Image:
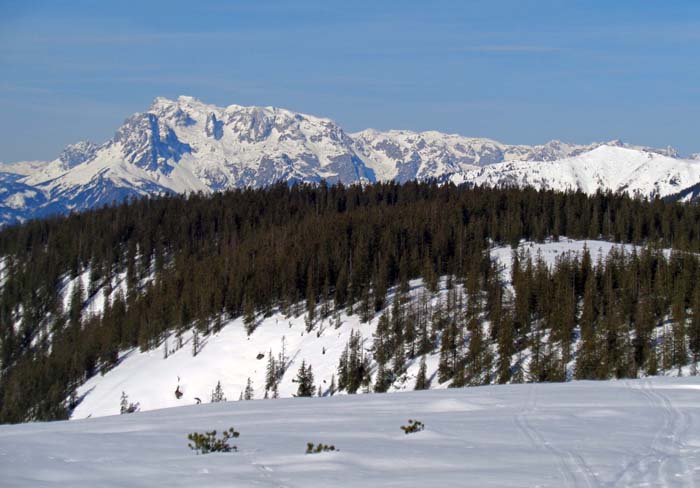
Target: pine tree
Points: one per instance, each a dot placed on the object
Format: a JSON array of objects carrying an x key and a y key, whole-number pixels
[
  {"x": 678, "y": 328},
  {"x": 310, "y": 300},
  {"x": 249, "y": 315},
  {"x": 430, "y": 277},
  {"x": 422, "y": 382},
  {"x": 506, "y": 348},
  {"x": 282, "y": 359},
  {"x": 195, "y": 342},
  {"x": 382, "y": 341},
  {"x": 383, "y": 379},
  {"x": 271, "y": 372},
  {"x": 399, "y": 361},
  {"x": 218, "y": 324},
  {"x": 217, "y": 395},
  {"x": 124, "y": 404},
  {"x": 305, "y": 380},
  {"x": 588, "y": 351},
  {"x": 694, "y": 328},
  {"x": 249, "y": 392},
  {"x": 331, "y": 388},
  {"x": 75, "y": 307}
]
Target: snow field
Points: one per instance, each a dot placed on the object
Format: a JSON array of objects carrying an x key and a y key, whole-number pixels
[{"x": 578, "y": 434}]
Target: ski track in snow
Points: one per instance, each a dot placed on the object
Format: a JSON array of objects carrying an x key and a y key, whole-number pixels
[
  {"x": 663, "y": 463},
  {"x": 571, "y": 466}
]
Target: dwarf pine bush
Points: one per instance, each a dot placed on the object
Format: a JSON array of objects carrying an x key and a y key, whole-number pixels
[
  {"x": 208, "y": 442},
  {"x": 413, "y": 426},
  {"x": 310, "y": 449}
]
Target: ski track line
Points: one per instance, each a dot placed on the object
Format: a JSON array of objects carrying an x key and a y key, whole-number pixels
[
  {"x": 637, "y": 471},
  {"x": 565, "y": 459},
  {"x": 661, "y": 465},
  {"x": 673, "y": 461},
  {"x": 266, "y": 472}
]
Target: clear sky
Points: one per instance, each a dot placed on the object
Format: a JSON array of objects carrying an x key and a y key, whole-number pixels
[{"x": 520, "y": 71}]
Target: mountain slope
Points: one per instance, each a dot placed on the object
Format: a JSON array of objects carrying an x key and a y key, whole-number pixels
[
  {"x": 618, "y": 169},
  {"x": 405, "y": 155},
  {"x": 185, "y": 145},
  {"x": 230, "y": 356}
]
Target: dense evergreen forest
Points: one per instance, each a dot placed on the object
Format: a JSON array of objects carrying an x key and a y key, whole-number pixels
[{"x": 195, "y": 261}]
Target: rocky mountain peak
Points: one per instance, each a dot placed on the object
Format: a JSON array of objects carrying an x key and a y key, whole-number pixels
[
  {"x": 183, "y": 144},
  {"x": 75, "y": 154}
]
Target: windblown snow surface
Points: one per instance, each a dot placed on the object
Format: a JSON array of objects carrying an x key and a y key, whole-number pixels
[{"x": 578, "y": 434}]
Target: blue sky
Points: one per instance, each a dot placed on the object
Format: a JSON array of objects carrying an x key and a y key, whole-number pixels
[{"x": 519, "y": 71}]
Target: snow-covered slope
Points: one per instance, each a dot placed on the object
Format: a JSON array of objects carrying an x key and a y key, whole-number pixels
[
  {"x": 604, "y": 168},
  {"x": 405, "y": 155},
  {"x": 231, "y": 356},
  {"x": 579, "y": 434},
  {"x": 185, "y": 145}
]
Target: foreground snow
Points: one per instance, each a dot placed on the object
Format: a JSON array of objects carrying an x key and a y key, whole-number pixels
[{"x": 587, "y": 434}]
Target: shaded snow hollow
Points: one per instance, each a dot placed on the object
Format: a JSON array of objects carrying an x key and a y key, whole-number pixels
[{"x": 578, "y": 434}]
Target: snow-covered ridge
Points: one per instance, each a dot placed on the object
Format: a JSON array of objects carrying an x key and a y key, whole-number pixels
[
  {"x": 619, "y": 169},
  {"x": 186, "y": 145}
]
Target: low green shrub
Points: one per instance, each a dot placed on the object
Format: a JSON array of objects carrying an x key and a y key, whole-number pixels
[
  {"x": 310, "y": 449},
  {"x": 208, "y": 442},
  {"x": 413, "y": 426}
]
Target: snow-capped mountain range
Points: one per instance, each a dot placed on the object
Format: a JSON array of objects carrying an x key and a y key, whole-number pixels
[{"x": 185, "y": 145}]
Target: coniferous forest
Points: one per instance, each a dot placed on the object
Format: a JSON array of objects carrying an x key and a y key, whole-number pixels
[{"x": 195, "y": 261}]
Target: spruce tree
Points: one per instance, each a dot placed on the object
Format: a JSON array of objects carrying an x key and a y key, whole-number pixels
[
  {"x": 305, "y": 380},
  {"x": 588, "y": 350},
  {"x": 249, "y": 393},
  {"x": 124, "y": 404},
  {"x": 422, "y": 382},
  {"x": 694, "y": 328},
  {"x": 195, "y": 342},
  {"x": 678, "y": 314},
  {"x": 249, "y": 315},
  {"x": 382, "y": 380},
  {"x": 217, "y": 395},
  {"x": 271, "y": 372},
  {"x": 331, "y": 388}
]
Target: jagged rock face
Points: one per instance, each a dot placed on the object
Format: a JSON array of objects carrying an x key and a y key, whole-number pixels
[
  {"x": 185, "y": 145},
  {"x": 214, "y": 127},
  {"x": 406, "y": 155},
  {"x": 75, "y": 154},
  {"x": 149, "y": 143}
]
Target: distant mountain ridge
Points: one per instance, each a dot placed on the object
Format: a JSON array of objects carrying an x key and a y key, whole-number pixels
[{"x": 186, "y": 145}]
